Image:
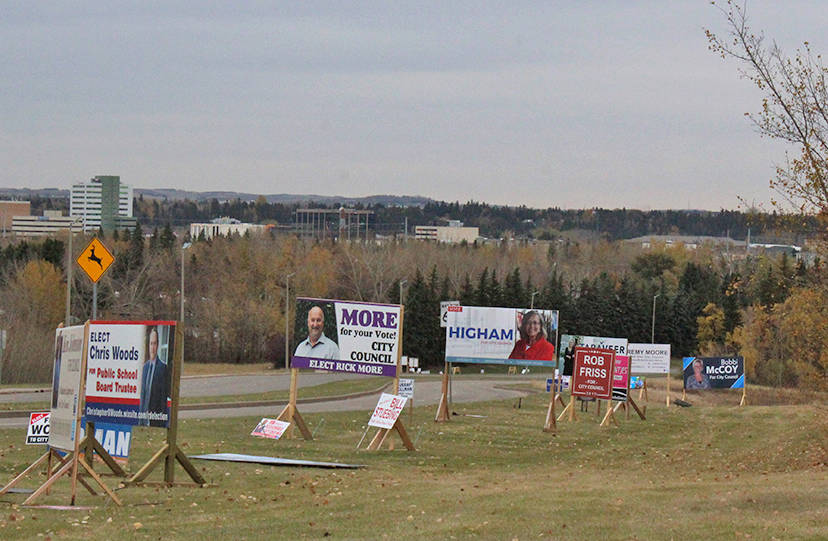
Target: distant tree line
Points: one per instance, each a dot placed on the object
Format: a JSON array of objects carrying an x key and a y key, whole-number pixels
[
  {"x": 498, "y": 221},
  {"x": 765, "y": 307}
]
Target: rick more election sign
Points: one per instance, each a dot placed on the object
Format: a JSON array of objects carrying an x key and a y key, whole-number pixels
[{"x": 343, "y": 336}]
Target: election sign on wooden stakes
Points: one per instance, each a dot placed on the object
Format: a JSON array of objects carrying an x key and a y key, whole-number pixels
[
  {"x": 650, "y": 359},
  {"x": 343, "y": 336},
  {"x": 500, "y": 336},
  {"x": 386, "y": 417},
  {"x": 406, "y": 390},
  {"x": 592, "y": 374},
  {"x": 65, "y": 423},
  {"x": 621, "y": 387},
  {"x": 704, "y": 373}
]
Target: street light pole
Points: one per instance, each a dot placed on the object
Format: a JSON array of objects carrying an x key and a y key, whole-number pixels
[
  {"x": 532, "y": 301},
  {"x": 66, "y": 321},
  {"x": 652, "y": 332},
  {"x": 183, "y": 247},
  {"x": 402, "y": 283},
  {"x": 287, "y": 318}
]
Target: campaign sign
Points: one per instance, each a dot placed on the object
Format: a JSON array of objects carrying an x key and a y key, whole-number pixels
[
  {"x": 569, "y": 342},
  {"x": 593, "y": 373},
  {"x": 270, "y": 428},
  {"x": 387, "y": 411},
  {"x": 649, "y": 358},
  {"x": 129, "y": 366},
  {"x": 354, "y": 337},
  {"x": 713, "y": 373},
  {"x": 66, "y": 387},
  {"x": 406, "y": 389},
  {"x": 559, "y": 383},
  {"x": 116, "y": 439},
  {"x": 38, "y": 432},
  {"x": 621, "y": 378},
  {"x": 508, "y": 336},
  {"x": 636, "y": 382},
  {"x": 444, "y": 311}
]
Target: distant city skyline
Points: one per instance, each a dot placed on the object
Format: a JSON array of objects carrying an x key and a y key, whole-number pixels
[{"x": 566, "y": 104}]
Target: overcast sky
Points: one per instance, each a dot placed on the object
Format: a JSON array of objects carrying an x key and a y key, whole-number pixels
[{"x": 570, "y": 104}]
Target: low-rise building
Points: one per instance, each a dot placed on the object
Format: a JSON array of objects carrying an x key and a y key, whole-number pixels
[
  {"x": 224, "y": 227},
  {"x": 455, "y": 233},
  {"x": 10, "y": 209},
  {"x": 52, "y": 222}
]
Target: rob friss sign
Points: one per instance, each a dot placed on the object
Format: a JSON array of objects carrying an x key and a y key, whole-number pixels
[{"x": 592, "y": 373}]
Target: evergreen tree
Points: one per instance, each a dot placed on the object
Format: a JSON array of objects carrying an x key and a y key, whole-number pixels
[
  {"x": 513, "y": 293},
  {"x": 136, "y": 248},
  {"x": 732, "y": 303},
  {"x": 154, "y": 241},
  {"x": 467, "y": 294},
  {"x": 167, "y": 240},
  {"x": 495, "y": 291},
  {"x": 482, "y": 293}
]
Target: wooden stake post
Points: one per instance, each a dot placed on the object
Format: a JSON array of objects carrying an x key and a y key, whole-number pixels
[
  {"x": 290, "y": 414},
  {"x": 169, "y": 453},
  {"x": 556, "y": 395},
  {"x": 382, "y": 433},
  {"x": 442, "y": 415},
  {"x": 70, "y": 463}
]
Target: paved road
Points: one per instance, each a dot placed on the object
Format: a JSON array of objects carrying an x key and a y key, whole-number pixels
[
  {"x": 214, "y": 385},
  {"x": 427, "y": 392}
]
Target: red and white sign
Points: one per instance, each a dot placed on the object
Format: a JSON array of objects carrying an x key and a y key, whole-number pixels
[
  {"x": 38, "y": 433},
  {"x": 592, "y": 373},
  {"x": 270, "y": 428},
  {"x": 621, "y": 378},
  {"x": 387, "y": 411}
]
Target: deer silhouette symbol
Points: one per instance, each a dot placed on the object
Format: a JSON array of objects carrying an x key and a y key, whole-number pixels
[{"x": 94, "y": 258}]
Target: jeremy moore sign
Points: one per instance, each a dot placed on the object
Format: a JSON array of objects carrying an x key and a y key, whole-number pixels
[{"x": 649, "y": 358}]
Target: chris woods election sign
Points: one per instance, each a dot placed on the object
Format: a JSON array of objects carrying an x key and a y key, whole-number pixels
[
  {"x": 342, "y": 336},
  {"x": 479, "y": 334},
  {"x": 129, "y": 365}
]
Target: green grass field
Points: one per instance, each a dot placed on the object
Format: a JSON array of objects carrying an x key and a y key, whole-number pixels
[{"x": 709, "y": 472}]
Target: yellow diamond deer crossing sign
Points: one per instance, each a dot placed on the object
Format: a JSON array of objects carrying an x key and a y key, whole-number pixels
[{"x": 95, "y": 259}]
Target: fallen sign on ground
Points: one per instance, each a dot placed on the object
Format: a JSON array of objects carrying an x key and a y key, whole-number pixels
[
  {"x": 274, "y": 461},
  {"x": 270, "y": 428}
]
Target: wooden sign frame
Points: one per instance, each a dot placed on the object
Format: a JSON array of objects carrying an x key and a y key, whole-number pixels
[
  {"x": 290, "y": 413},
  {"x": 555, "y": 395},
  {"x": 72, "y": 464},
  {"x": 399, "y": 427},
  {"x": 169, "y": 453},
  {"x": 442, "y": 415}
]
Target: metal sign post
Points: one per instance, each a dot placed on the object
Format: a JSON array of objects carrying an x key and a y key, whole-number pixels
[{"x": 95, "y": 259}]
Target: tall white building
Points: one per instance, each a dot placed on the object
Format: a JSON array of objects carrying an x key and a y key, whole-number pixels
[{"x": 102, "y": 202}]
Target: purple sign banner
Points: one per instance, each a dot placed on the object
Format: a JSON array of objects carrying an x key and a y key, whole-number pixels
[{"x": 344, "y": 336}]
